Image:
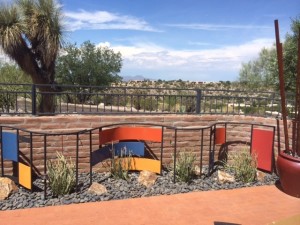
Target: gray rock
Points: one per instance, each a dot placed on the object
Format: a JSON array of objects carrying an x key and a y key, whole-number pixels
[{"x": 130, "y": 189}]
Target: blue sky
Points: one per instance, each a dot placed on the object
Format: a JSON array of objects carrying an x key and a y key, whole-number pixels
[{"x": 171, "y": 39}]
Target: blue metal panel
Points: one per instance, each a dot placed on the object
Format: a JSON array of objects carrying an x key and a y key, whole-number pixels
[
  {"x": 100, "y": 155},
  {"x": 135, "y": 149},
  {"x": 10, "y": 146},
  {"x": 132, "y": 148}
]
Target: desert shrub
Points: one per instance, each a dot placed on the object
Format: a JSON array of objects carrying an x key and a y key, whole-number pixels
[
  {"x": 144, "y": 102},
  {"x": 184, "y": 168},
  {"x": 243, "y": 165},
  {"x": 251, "y": 110},
  {"x": 13, "y": 79},
  {"x": 61, "y": 175}
]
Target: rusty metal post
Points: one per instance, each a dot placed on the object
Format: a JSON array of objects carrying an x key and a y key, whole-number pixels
[
  {"x": 296, "y": 133},
  {"x": 281, "y": 84}
]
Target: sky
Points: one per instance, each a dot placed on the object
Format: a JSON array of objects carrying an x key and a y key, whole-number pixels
[{"x": 193, "y": 40}]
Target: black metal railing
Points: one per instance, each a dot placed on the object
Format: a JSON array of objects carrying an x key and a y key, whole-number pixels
[
  {"x": 24, "y": 144},
  {"x": 25, "y": 98}
]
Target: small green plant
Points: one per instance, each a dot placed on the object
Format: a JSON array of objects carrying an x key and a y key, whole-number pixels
[
  {"x": 243, "y": 165},
  {"x": 61, "y": 175},
  {"x": 121, "y": 164},
  {"x": 184, "y": 168}
]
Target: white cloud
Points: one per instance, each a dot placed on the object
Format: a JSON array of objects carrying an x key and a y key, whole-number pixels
[
  {"x": 157, "y": 62},
  {"x": 104, "y": 44},
  {"x": 148, "y": 57},
  {"x": 98, "y": 20},
  {"x": 216, "y": 27}
]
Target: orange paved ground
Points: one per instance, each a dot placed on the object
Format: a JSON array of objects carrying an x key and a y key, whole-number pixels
[{"x": 257, "y": 205}]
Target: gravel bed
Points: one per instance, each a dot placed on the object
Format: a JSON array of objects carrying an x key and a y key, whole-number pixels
[{"x": 120, "y": 189}]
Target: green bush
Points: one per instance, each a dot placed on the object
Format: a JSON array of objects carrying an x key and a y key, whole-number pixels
[
  {"x": 243, "y": 165},
  {"x": 61, "y": 175},
  {"x": 184, "y": 169}
]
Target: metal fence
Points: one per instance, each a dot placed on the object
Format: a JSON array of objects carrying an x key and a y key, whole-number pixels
[{"x": 21, "y": 99}]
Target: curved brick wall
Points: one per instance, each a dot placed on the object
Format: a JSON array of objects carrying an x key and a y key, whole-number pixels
[{"x": 187, "y": 140}]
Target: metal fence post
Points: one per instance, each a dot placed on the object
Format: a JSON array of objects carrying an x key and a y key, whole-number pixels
[
  {"x": 198, "y": 101},
  {"x": 33, "y": 99}
]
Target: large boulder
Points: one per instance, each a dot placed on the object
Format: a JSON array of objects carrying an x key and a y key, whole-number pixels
[
  {"x": 197, "y": 170},
  {"x": 260, "y": 175},
  {"x": 147, "y": 178},
  {"x": 224, "y": 177},
  {"x": 97, "y": 189},
  {"x": 7, "y": 187}
]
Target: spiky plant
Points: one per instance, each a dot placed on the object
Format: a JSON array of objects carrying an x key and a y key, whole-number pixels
[
  {"x": 243, "y": 165},
  {"x": 184, "y": 168},
  {"x": 31, "y": 35},
  {"x": 61, "y": 175}
]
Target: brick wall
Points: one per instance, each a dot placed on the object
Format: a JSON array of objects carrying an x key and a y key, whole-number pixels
[{"x": 189, "y": 140}]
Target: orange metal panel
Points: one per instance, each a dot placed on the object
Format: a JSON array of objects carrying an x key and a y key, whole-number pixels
[
  {"x": 25, "y": 176},
  {"x": 106, "y": 136},
  {"x": 130, "y": 133},
  {"x": 220, "y": 135},
  {"x": 143, "y": 164},
  {"x": 262, "y": 146}
]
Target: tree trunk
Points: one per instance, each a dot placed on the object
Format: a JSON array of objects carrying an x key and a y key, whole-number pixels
[
  {"x": 46, "y": 94},
  {"x": 47, "y": 102},
  {"x": 41, "y": 75},
  {"x": 45, "y": 84}
]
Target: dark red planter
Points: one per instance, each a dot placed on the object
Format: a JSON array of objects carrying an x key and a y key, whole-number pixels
[{"x": 289, "y": 174}]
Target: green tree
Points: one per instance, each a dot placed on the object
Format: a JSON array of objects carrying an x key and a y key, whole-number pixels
[
  {"x": 263, "y": 71},
  {"x": 260, "y": 72},
  {"x": 10, "y": 73},
  {"x": 88, "y": 65},
  {"x": 31, "y": 35},
  {"x": 290, "y": 55}
]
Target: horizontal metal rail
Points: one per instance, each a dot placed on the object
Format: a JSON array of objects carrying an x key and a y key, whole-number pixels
[{"x": 18, "y": 99}]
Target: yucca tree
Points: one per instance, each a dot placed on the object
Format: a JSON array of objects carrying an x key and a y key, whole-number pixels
[{"x": 31, "y": 35}]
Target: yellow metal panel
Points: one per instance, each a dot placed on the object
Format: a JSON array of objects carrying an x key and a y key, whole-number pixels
[
  {"x": 142, "y": 164},
  {"x": 25, "y": 176}
]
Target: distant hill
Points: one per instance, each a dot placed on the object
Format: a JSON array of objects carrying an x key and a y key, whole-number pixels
[{"x": 134, "y": 78}]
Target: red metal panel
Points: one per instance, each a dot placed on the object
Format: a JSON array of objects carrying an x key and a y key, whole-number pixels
[
  {"x": 220, "y": 135},
  {"x": 262, "y": 146}
]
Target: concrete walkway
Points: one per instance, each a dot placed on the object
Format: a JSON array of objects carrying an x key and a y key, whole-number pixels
[{"x": 255, "y": 205}]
